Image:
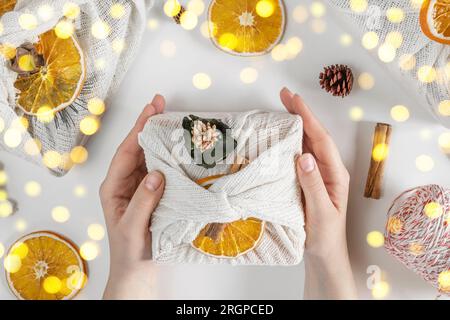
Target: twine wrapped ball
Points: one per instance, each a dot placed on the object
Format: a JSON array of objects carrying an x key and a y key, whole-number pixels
[{"x": 418, "y": 233}]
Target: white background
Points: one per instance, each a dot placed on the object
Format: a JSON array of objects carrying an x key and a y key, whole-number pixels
[{"x": 172, "y": 76}]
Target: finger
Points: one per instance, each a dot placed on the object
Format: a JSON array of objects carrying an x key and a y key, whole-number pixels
[
  {"x": 311, "y": 182},
  {"x": 130, "y": 144},
  {"x": 144, "y": 201},
  {"x": 286, "y": 98}
]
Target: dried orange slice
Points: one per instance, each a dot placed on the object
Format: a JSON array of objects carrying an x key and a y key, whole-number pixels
[
  {"x": 435, "y": 20},
  {"x": 6, "y": 5},
  {"x": 45, "y": 266},
  {"x": 248, "y": 28},
  {"x": 59, "y": 81},
  {"x": 235, "y": 238}
]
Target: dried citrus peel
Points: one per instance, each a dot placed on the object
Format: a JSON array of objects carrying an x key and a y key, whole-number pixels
[
  {"x": 228, "y": 240},
  {"x": 59, "y": 81},
  {"x": 45, "y": 266},
  {"x": 246, "y": 28},
  {"x": 435, "y": 20}
]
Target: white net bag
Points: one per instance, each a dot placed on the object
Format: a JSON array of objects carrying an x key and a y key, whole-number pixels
[
  {"x": 423, "y": 63},
  {"x": 266, "y": 189},
  {"x": 108, "y": 39}
]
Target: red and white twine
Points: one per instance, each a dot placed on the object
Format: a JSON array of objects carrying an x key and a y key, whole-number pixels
[{"x": 421, "y": 239}]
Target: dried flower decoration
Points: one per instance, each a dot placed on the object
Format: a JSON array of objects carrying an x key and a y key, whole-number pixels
[{"x": 208, "y": 140}]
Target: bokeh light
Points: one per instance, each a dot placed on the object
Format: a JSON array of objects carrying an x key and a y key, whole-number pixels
[
  {"x": 228, "y": 41},
  {"x": 45, "y": 12},
  {"x": 100, "y": 64},
  {"x": 416, "y": 4},
  {"x": 172, "y": 8},
  {"x": 188, "y": 20},
  {"x": 427, "y": 74},
  {"x": 6, "y": 209},
  {"x": 395, "y": 14},
  {"x": 32, "y": 147},
  {"x": 201, "y": 81},
  {"x": 400, "y": 113},
  {"x": 12, "y": 263},
  {"x": 117, "y": 11},
  {"x": 96, "y": 231},
  {"x": 71, "y": 10},
  {"x": 300, "y": 14},
  {"x": 64, "y": 29},
  {"x": 386, "y": 53},
  {"x": 358, "y": 6},
  {"x": 444, "y": 281},
  {"x": 168, "y": 48},
  {"x": 433, "y": 210},
  {"x": 356, "y": 113},
  {"x": 248, "y": 75},
  {"x": 380, "y": 290},
  {"x": 79, "y": 191},
  {"x": 444, "y": 108},
  {"x": 375, "y": 239},
  {"x": 264, "y": 8},
  {"x": 370, "y": 40},
  {"x": 32, "y": 189},
  {"x": 51, "y": 159},
  {"x": 45, "y": 114},
  {"x": 89, "y": 125},
  {"x": 60, "y": 214},
  {"x": 293, "y": 47},
  {"x": 444, "y": 142},
  {"x": 196, "y": 6},
  {"x": 424, "y": 163},
  {"x": 152, "y": 24},
  {"x": 345, "y": 39},
  {"x": 96, "y": 106},
  {"x": 3, "y": 178},
  {"x": 52, "y": 284},
  {"x": 21, "y": 225},
  {"x": 100, "y": 30},
  {"x": 279, "y": 52},
  {"x": 380, "y": 152},
  {"x": 89, "y": 251},
  {"x": 366, "y": 81},
  {"x": 79, "y": 154},
  {"x": 12, "y": 137},
  {"x": 7, "y": 50},
  {"x": 20, "y": 249},
  {"x": 395, "y": 39},
  {"x": 27, "y": 21},
  {"x": 317, "y": 9}
]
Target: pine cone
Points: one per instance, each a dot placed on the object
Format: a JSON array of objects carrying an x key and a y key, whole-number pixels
[
  {"x": 337, "y": 79},
  {"x": 177, "y": 17}
]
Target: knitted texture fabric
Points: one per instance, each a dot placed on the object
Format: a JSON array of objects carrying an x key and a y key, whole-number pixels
[
  {"x": 100, "y": 82},
  {"x": 266, "y": 189},
  {"x": 415, "y": 54}
]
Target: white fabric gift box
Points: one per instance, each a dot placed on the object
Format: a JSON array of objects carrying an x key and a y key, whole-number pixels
[{"x": 266, "y": 189}]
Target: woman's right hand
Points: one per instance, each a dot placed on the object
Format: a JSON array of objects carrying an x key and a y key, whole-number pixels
[{"x": 324, "y": 181}]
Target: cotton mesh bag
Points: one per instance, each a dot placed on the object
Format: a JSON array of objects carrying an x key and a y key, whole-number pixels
[
  {"x": 108, "y": 37},
  {"x": 265, "y": 189},
  {"x": 421, "y": 64}
]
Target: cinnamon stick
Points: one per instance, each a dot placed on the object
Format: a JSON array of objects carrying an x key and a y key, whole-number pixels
[
  {"x": 380, "y": 150},
  {"x": 215, "y": 230}
]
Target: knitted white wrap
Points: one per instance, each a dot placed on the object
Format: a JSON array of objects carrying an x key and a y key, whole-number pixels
[
  {"x": 100, "y": 82},
  {"x": 266, "y": 189}
]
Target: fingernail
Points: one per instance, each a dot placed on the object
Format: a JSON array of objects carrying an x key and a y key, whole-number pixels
[
  {"x": 307, "y": 163},
  {"x": 153, "y": 181},
  {"x": 287, "y": 90}
]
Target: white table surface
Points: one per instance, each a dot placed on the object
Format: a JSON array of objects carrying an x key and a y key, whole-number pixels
[{"x": 172, "y": 76}]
